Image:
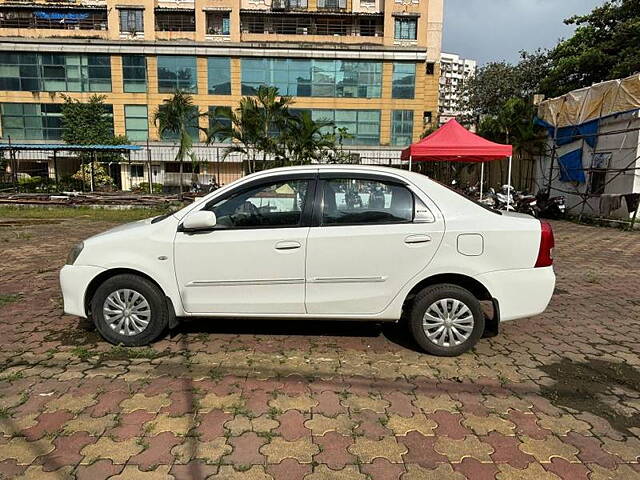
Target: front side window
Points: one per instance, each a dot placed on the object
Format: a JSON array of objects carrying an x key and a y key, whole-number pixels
[
  {"x": 350, "y": 201},
  {"x": 275, "y": 204}
]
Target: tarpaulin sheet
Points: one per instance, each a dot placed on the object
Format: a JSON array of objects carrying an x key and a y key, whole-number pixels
[
  {"x": 571, "y": 167},
  {"x": 586, "y": 104}
]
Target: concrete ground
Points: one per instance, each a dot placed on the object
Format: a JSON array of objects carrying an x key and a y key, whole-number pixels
[{"x": 555, "y": 396}]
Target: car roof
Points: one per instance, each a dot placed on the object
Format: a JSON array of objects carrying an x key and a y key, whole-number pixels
[{"x": 333, "y": 167}]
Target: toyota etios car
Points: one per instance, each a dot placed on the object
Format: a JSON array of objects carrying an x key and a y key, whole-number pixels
[{"x": 318, "y": 242}]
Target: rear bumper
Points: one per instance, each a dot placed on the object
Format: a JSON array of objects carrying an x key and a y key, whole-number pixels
[
  {"x": 74, "y": 280},
  {"x": 520, "y": 293}
]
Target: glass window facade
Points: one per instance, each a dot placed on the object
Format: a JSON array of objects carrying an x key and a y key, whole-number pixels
[
  {"x": 406, "y": 28},
  {"x": 53, "y": 72},
  {"x": 131, "y": 20},
  {"x": 31, "y": 121},
  {"x": 216, "y": 118},
  {"x": 219, "y": 75},
  {"x": 401, "y": 127},
  {"x": 134, "y": 73},
  {"x": 313, "y": 78},
  {"x": 362, "y": 125},
  {"x": 177, "y": 72},
  {"x": 136, "y": 122},
  {"x": 404, "y": 80}
]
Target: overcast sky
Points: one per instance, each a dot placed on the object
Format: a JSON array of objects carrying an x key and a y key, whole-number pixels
[{"x": 494, "y": 30}]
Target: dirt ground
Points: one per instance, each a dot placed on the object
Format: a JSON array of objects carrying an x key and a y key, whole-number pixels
[{"x": 555, "y": 396}]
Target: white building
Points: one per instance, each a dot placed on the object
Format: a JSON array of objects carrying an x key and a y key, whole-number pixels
[{"x": 454, "y": 71}]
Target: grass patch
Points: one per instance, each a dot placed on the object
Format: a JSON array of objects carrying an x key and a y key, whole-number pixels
[
  {"x": 9, "y": 298},
  {"x": 96, "y": 214}
]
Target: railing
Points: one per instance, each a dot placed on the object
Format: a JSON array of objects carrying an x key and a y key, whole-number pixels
[
  {"x": 57, "y": 20},
  {"x": 175, "y": 21},
  {"x": 309, "y": 25}
]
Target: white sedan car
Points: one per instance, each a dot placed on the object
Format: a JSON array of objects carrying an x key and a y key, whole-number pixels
[{"x": 318, "y": 242}]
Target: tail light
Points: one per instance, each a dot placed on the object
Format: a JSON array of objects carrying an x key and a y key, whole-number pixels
[{"x": 547, "y": 242}]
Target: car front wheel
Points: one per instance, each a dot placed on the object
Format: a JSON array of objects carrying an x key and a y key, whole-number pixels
[
  {"x": 446, "y": 320},
  {"x": 129, "y": 310}
]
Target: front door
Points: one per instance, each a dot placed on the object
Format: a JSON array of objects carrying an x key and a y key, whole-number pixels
[
  {"x": 254, "y": 260},
  {"x": 366, "y": 245}
]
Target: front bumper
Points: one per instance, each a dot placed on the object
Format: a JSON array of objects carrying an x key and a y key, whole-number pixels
[
  {"x": 74, "y": 280},
  {"x": 520, "y": 293}
]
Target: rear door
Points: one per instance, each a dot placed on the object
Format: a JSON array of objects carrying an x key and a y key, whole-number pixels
[{"x": 366, "y": 242}]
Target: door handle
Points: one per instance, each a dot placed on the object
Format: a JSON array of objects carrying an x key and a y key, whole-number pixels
[
  {"x": 284, "y": 245},
  {"x": 411, "y": 239}
]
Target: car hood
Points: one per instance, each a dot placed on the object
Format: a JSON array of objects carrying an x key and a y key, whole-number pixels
[{"x": 126, "y": 227}]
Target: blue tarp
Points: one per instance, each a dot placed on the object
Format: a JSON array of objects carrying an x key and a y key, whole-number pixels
[
  {"x": 571, "y": 167},
  {"x": 65, "y": 16},
  {"x": 566, "y": 135}
]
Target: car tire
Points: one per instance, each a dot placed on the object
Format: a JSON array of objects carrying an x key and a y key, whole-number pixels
[
  {"x": 446, "y": 320},
  {"x": 144, "y": 315}
]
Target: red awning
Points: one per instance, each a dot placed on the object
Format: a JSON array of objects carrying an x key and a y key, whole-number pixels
[{"x": 454, "y": 143}]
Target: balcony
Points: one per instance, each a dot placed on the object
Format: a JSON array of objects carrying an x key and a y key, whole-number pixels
[
  {"x": 50, "y": 18},
  {"x": 345, "y": 26}
]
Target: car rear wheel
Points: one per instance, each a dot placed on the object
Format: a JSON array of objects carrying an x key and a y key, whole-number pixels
[
  {"x": 129, "y": 310},
  {"x": 446, "y": 320}
]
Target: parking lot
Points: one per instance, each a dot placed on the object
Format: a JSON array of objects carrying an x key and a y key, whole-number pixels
[{"x": 555, "y": 396}]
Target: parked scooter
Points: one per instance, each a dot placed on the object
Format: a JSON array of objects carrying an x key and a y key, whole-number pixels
[{"x": 550, "y": 207}]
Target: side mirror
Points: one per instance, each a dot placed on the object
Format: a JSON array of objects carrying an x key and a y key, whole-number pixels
[{"x": 201, "y": 220}]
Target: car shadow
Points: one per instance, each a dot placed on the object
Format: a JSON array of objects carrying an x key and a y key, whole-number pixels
[{"x": 396, "y": 333}]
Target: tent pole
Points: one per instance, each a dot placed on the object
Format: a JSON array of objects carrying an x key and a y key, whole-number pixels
[
  {"x": 481, "y": 178},
  {"x": 509, "y": 185}
]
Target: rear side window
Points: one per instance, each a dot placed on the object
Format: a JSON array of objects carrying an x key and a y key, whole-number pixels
[{"x": 351, "y": 201}]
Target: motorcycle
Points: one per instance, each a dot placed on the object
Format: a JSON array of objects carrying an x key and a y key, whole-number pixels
[{"x": 550, "y": 207}]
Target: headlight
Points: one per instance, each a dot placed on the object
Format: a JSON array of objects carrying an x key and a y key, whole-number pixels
[{"x": 74, "y": 253}]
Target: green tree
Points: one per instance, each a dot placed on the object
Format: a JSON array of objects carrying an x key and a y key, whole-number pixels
[
  {"x": 494, "y": 84},
  {"x": 90, "y": 123},
  {"x": 604, "y": 46},
  {"x": 174, "y": 116},
  {"x": 307, "y": 140}
]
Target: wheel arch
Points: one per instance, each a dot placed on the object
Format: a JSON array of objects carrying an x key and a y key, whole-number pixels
[
  {"x": 477, "y": 288},
  {"x": 107, "y": 274}
]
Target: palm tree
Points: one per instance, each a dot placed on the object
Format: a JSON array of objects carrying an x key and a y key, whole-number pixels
[
  {"x": 307, "y": 140},
  {"x": 175, "y": 115},
  {"x": 256, "y": 126}
]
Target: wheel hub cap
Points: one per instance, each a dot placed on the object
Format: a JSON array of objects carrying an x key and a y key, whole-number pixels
[
  {"x": 127, "y": 312},
  {"x": 448, "y": 322}
]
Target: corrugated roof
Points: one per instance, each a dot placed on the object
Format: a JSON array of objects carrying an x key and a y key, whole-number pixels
[{"x": 64, "y": 146}]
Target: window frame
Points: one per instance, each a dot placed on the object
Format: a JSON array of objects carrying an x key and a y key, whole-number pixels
[
  {"x": 319, "y": 197},
  {"x": 305, "y": 215}
]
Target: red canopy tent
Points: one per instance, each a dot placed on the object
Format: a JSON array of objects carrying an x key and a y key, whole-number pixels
[{"x": 454, "y": 143}]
